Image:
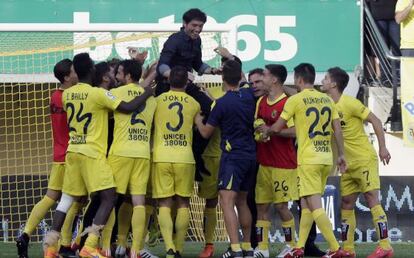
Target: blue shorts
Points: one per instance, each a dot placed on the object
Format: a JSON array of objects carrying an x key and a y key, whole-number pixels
[{"x": 236, "y": 174}]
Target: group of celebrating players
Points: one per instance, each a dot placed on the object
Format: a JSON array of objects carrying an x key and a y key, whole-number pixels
[{"x": 261, "y": 138}]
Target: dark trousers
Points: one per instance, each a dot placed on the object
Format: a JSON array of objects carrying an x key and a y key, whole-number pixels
[{"x": 390, "y": 31}]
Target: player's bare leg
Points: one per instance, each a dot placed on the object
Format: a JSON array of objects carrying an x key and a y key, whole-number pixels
[
  {"x": 245, "y": 220},
  {"x": 227, "y": 203}
]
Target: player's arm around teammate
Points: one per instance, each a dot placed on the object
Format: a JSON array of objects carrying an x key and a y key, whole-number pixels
[{"x": 89, "y": 171}]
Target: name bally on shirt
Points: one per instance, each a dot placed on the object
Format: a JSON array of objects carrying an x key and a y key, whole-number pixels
[{"x": 77, "y": 96}]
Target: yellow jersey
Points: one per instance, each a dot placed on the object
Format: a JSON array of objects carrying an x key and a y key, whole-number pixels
[
  {"x": 213, "y": 146},
  {"x": 173, "y": 122},
  {"x": 132, "y": 132},
  {"x": 312, "y": 113},
  {"x": 407, "y": 26},
  {"x": 352, "y": 114},
  {"x": 87, "y": 114}
]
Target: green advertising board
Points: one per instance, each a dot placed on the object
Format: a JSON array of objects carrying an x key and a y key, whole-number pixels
[{"x": 323, "y": 32}]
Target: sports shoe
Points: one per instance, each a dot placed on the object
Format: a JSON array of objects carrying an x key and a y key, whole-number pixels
[
  {"x": 336, "y": 254},
  {"x": 177, "y": 255},
  {"x": 170, "y": 254},
  {"x": 147, "y": 254},
  {"x": 50, "y": 252},
  {"x": 120, "y": 252},
  {"x": 248, "y": 253},
  {"x": 67, "y": 252},
  {"x": 231, "y": 254},
  {"x": 207, "y": 252},
  {"x": 22, "y": 244},
  {"x": 297, "y": 252},
  {"x": 261, "y": 253},
  {"x": 286, "y": 252},
  {"x": 89, "y": 252},
  {"x": 382, "y": 253}
]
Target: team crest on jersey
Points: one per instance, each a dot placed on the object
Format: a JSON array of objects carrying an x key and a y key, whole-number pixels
[
  {"x": 274, "y": 113},
  {"x": 110, "y": 95}
]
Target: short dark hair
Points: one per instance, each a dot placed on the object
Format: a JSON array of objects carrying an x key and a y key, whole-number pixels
[
  {"x": 225, "y": 59},
  {"x": 178, "y": 77},
  {"x": 255, "y": 71},
  {"x": 133, "y": 68},
  {"x": 194, "y": 14},
  {"x": 83, "y": 65},
  {"x": 232, "y": 72},
  {"x": 340, "y": 77},
  {"x": 100, "y": 70},
  {"x": 278, "y": 70},
  {"x": 305, "y": 71},
  {"x": 62, "y": 69}
]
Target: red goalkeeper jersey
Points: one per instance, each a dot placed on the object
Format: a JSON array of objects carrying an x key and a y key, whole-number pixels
[
  {"x": 278, "y": 152},
  {"x": 60, "y": 127}
]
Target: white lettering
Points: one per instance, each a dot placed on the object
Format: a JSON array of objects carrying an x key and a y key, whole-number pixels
[
  {"x": 250, "y": 39},
  {"x": 288, "y": 43}
]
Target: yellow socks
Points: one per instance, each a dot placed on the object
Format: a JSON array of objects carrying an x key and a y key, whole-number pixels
[
  {"x": 148, "y": 213},
  {"x": 348, "y": 229},
  {"x": 66, "y": 230},
  {"x": 262, "y": 234},
  {"x": 138, "y": 227},
  {"x": 288, "y": 228},
  {"x": 166, "y": 227},
  {"x": 38, "y": 213},
  {"x": 381, "y": 226},
  {"x": 181, "y": 226},
  {"x": 305, "y": 226},
  {"x": 210, "y": 223},
  {"x": 246, "y": 246},
  {"x": 92, "y": 240},
  {"x": 325, "y": 226},
  {"x": 124, "y": 222},
  {"x": 107, "y": 231},
  {"x": 235, "y": 247}
]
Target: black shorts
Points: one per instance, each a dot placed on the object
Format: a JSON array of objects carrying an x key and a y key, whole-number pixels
[{"x": 236, "y": 174}]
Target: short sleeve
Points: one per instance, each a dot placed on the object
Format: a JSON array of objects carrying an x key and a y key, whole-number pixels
[
  {"x": 359, "y": 109},
  {"x": 335, "y": 114},
  {"x": 290, "y": 123},
  {"x": 215, "y": 115},
  {"x": 401, "y": 5},
  {"x": 289, "y": 109},
  {"x": 107, "y": 99}
]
